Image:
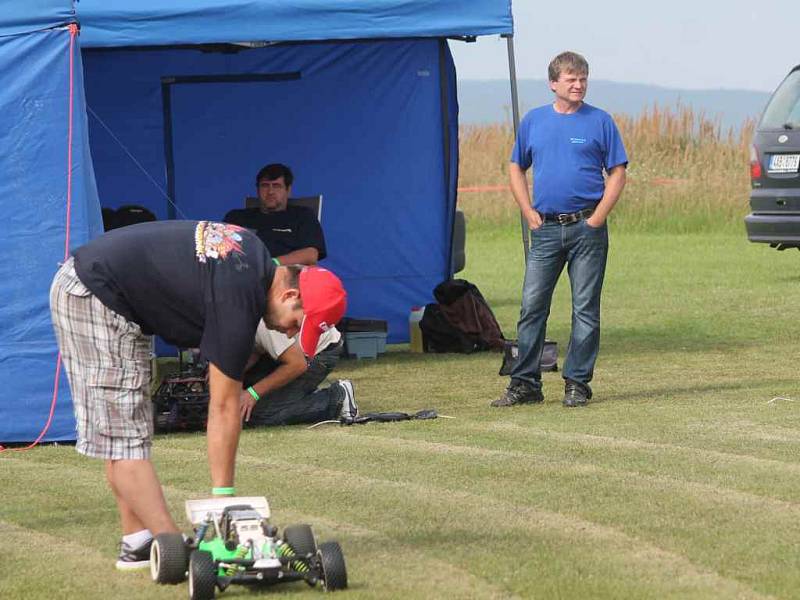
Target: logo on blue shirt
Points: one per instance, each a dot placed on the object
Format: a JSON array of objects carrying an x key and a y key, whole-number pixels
[{"x": 574, "y": 140}]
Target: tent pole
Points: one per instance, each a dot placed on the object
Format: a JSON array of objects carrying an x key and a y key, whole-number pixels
[
  {"x": 512, "y": 77},
  {"x": 444, "y": 107}
]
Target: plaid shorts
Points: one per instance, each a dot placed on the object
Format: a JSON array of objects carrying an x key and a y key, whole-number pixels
[{"x": 107, "y": 360}]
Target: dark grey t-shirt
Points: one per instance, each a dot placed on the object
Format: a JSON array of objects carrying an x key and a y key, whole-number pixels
[
  {"x": 282, "y": 231},
  {"x": 197, "y": 284}
]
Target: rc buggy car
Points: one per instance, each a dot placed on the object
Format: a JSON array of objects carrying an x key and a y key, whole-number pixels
[
  {"x": 234, "y": 542},
  {"x": 181, "y": 401}
]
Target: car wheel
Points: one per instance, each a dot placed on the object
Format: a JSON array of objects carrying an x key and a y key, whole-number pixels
[
  {"x": 202, "y": 576},
  {"x": 301, "y": 539},
  {"x": 168, "y": 558},
  {"x": 334, "y": 572}
]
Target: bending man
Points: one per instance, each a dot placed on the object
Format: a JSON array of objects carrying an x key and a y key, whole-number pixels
[{"x": 196, "y": 284}]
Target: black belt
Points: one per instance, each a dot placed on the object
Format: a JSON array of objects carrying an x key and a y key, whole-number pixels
[{"x": 567, "y": 218}]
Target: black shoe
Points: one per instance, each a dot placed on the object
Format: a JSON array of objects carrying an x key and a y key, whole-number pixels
[
  {"x": 519, "y": 392},
  {"x": 576, "y": 394},
  {"x": 134, "y": 558}
]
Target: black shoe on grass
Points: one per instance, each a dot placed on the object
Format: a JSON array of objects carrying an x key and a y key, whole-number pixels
[
  {"x": 519, "y": 392},
  {"x": 576, "y": 394}
]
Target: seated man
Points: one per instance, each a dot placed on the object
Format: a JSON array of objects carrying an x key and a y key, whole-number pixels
[
  {"x": 281, "y": 387},
  {"x": 292, "y": 234}
]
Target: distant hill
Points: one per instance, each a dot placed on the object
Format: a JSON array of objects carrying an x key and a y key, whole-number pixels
[{"x": 489, "y": 101}]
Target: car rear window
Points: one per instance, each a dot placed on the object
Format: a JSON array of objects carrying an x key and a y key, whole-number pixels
[{"x": 783, "y": 110}]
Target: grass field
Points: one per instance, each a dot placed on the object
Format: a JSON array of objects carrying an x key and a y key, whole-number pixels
[{"x": 678, "y": 481}]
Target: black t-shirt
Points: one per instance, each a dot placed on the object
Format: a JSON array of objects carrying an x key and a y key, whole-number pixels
[
  {"x": 197, "y": 284},
  {"x": 282, "y": 231}
]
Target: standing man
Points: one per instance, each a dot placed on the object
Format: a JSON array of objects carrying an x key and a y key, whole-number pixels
[
  {"x": 196, "y": 284},
  {"x": 292, "y": 233},
  {"x": 570, "y": 144}
]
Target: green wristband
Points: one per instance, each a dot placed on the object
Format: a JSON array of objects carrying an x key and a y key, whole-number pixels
[
  {"x": 277, "y": 262},
  {"x": 254, "y": 393},
  {"x": 223, "y": 491}
]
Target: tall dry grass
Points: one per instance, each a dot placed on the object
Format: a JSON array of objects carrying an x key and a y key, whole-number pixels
[{"x": 686, "y": 173}]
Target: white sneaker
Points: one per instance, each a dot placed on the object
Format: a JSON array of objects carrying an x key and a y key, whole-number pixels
[{"x": 349, "y": 406}]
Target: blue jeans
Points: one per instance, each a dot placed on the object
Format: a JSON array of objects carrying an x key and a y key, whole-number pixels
[{"x": 584, "y": 250}]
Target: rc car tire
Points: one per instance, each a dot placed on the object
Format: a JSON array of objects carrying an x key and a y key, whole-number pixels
[
  {"x": 334, "y": 571},
  {"x": 202, "y": 576},
  {"x": 168, "y": 558},
  {"x": 301, "y": 539}
]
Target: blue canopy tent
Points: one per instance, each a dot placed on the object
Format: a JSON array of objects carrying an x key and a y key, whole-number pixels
[
  {"x": 185, "y": 105},
  {"x": 45, "y": 175}
]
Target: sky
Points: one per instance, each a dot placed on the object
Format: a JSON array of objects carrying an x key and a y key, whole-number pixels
[{"x": 687, "y": 44}]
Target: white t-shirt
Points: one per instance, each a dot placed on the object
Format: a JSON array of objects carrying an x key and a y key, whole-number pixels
[{"x": 276, "y": 343}]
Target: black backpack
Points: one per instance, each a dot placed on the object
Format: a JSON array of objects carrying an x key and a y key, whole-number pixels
[
  {"x": 461, "y": 321},
  {"x": 438, "y": 335},
  {"x": 130, "y": 214}
]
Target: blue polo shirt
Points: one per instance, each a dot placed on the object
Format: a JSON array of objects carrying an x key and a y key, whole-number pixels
[{"x": 569, "y": 153}]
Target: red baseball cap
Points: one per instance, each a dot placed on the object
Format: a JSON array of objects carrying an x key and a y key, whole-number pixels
[{"x": 324, "y": 302}]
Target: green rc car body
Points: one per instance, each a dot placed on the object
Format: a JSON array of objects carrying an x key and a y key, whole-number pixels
[{"x": 235, "y": 543}]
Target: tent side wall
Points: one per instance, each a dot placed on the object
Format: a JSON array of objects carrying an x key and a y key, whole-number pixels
[
  {"x": 35, "y": 186},
  {"x": 372, "y": 126}
]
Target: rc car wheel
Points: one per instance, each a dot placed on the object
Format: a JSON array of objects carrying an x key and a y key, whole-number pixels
[
  {"x": 168, "y": 558},
  {"x": 202, "y": 576},
  {"x": 334, "y": 572},
  {"x": 301, "y": 539}
]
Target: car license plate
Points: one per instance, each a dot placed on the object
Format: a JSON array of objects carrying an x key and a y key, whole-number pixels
[{"x": 784, "y": 163}]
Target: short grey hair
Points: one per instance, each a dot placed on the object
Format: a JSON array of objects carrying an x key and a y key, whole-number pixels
[{"x": 570, "y": 62}]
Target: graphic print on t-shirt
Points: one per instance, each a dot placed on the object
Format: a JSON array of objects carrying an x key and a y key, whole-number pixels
[{"x": 217, "y": 240}]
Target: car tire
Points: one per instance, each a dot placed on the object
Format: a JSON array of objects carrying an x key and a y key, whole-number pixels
[
  {"x": 168, "y": 558},
  {"x": 202, "y": 576},
  {"x": 301, "y": 539},
  {"x": 334, "y": 571}
]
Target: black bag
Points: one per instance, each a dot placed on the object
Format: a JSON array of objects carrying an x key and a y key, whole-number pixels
[
  {"x": 438, "y": 335},
  {"x": 130, "y": 214},
  {"x": 549, "y": 360},
  {"x": 462, "y": 321}
]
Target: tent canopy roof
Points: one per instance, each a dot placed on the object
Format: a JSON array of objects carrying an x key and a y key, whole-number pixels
[
  {"x": 109, "y": 23},
  {"x": 33, "y": 15}
]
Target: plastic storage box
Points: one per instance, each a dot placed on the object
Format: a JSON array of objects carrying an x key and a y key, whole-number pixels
[{"x": 363, "y": 338}]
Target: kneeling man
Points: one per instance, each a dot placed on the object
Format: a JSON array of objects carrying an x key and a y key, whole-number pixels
[{"x": 281, "y": 383}]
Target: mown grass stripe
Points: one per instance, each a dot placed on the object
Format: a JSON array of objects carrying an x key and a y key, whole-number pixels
[
  {"x": 40, "y": 565},
  {"x": 591, "y": 440},
  {"x": 458, "y": 582},
  {"x": 640, "y": 556},
  {"x": 701, "y": 489}
]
